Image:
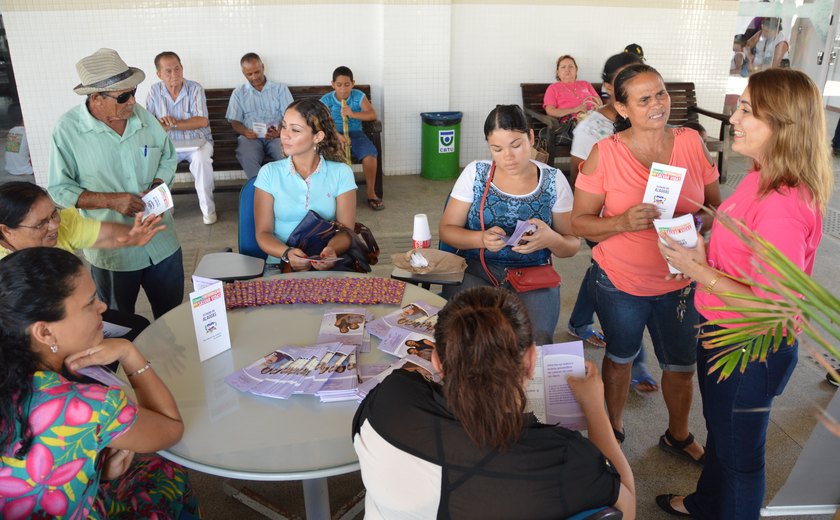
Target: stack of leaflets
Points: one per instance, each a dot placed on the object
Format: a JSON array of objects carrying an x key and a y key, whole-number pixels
[{"x": 416, "y": 317}]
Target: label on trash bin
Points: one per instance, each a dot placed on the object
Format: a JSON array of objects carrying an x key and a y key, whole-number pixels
[{"x": 446, "y": 141}]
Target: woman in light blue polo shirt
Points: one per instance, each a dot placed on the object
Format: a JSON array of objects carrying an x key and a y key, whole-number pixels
[{"x": 313, "y": 176}]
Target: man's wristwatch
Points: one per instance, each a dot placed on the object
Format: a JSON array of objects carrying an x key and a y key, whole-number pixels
[{"x": 285, "y": 256}]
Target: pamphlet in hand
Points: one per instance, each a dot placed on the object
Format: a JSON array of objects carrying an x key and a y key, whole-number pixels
[
  {"x": 663, "y": 188},
  {"x": 523, "y": 228},
  {"x": 101, "y": 374},
  {"x": 681, "y": 229},
  {"x": 260, "y": 129},
  {"x": 418, "y": 317},
  {"x": 400, "y": 342},
  {"x": 344, "y": 326},
  {"x": 549, "y": 396},
  {"x": 157, "y": 201},
  {"x": 112, "y": 330}
]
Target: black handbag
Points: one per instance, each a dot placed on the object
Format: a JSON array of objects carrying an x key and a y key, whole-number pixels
[{"x": 314, "y": 233}]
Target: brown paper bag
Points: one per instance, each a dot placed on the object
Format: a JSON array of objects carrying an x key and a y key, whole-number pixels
[{"x": 440, "y": 262}]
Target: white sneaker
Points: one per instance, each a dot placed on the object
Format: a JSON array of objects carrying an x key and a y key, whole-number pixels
[{"x": 210, "y": 219}]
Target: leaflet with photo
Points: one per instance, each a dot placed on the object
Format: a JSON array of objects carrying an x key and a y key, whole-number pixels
[
  {"x": 157, "y": 200},
  {"x": 344, "y": 326},
  {"x": 341, "y": 386},
  {"x": 409, "y": 362},
  {"x": 663, "y": 188},
  {"x": 523, "y": 228},
  {"x": 400, "y": 342},
  {"x": 411, "y": 317},
  {"x": 101, "y": 374}
]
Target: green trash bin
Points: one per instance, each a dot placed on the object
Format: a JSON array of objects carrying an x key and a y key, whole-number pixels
[{"x": 440, "y": 145}]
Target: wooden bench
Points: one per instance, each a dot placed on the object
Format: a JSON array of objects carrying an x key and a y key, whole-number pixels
[
  {"x": 684, "y": 109},
  {"x": 225, "y": 139}
]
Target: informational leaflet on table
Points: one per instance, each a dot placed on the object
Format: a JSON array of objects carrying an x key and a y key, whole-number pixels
[
  {"x": 663, "y": 188},
  {"x": 210, "y": 320},
  {"x": 549, "y": 396}
]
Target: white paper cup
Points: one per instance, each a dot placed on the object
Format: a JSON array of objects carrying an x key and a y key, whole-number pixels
[{"x": 422, "y": 237}]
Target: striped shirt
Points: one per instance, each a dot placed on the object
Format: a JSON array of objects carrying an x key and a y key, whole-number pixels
[
  {"x": 249, "y": 105},
  {"x": 190, "y": 102},
  {"x": 87, "y": 155}
]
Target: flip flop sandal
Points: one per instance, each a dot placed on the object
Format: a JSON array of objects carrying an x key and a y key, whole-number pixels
[
  {"x": 664, "y": 503},
  {"x": 594, "y": 338},
  {"x": 376, "y": 204},
  {"x": 671, "y": 445},
  {"x": 645, "y": 379}
]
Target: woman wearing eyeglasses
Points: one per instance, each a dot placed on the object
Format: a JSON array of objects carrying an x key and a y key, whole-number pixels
[{"x": 28, "y": 218}]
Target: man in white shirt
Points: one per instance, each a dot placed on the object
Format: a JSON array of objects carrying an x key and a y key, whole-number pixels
[{"x": 181, "y": 107}]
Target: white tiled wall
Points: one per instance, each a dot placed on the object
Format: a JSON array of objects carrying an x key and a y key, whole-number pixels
[{"x": 418, "y": 55}]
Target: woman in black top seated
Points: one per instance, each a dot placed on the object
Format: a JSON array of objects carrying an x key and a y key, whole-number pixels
[{"x": 466, "y": 448}]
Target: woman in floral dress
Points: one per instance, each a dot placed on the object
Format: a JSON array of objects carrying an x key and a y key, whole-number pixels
[{"x": 66, "y": 448}]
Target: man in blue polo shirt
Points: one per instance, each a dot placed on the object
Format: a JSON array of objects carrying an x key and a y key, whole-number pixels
[{"x": 255, "y": 111}]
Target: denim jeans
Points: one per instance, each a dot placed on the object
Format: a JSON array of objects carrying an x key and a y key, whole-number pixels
[
  {"x": 670, "y": 318},
  {"x": 163, "y": 284},
  {"x": 835, "y": 143},
  {"x": 543, "y": 305},
  {"x": 737, "y": 410}
]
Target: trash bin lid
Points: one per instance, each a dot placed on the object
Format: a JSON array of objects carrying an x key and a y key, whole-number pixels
[{"x": 441, "y": 118}]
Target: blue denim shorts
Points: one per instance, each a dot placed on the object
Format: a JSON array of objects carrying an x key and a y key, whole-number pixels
[
  {"x": 361, "y": 146},
  {"x": 670, "y": 318}
]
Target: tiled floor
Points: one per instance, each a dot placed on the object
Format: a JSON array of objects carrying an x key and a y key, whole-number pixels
[{"x": 792, "y": 419}]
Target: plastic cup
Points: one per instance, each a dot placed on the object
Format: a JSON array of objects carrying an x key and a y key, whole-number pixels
[{"x": 422, "y": 237}]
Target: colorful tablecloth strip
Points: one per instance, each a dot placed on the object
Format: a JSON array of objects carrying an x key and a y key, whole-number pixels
[{"x": 355, "y": 291}]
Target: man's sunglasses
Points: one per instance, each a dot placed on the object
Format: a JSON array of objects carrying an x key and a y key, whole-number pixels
[{"x": 122, "y": 98}]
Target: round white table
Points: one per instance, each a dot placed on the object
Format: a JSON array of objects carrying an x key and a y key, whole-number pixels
[{"x": 243, "y": 436}]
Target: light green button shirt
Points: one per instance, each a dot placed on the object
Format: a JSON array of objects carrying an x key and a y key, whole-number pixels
[{"x": 87, "y": 155}]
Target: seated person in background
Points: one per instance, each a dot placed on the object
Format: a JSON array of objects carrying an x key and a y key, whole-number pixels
[
  {"x": 18, "y": 161},
  {"x": 261, "y": 102},
  {"x": 345, "y": 102},
  {"x": 67, "y": 449},
  {"x": 467, "y": 447},
  {"x": 739, "y": 65},
  {"x": 28, "y": 218},
  {"x": 181, "y": 107},
  {"x": 314, "y": 177},
  {"x": 511, "y": 187},
  {"x": 770, "y": 45},
  {"x": 569, "y": 97}
]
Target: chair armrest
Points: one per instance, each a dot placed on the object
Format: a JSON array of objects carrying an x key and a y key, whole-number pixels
[
  {"x": 372, "y": 127},
  {"x": 551, "y": 122},
  {"x": 723, "y": 118}
]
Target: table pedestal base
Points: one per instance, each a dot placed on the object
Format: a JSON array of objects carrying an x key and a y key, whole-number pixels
[{"x": 316, "y": 498}]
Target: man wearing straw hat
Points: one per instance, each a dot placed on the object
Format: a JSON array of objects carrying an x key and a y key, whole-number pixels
[{"x": 105, "y": 154}]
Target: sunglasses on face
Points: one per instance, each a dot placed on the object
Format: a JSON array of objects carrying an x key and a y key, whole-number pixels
[
  {"x": 44, "y": 223},
  {"x": 122, "y": 98}
]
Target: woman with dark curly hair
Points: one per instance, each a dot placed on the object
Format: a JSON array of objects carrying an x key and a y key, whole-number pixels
[
  {"x": 313, "y": 176},
  {"x": 66, "y": 448}
]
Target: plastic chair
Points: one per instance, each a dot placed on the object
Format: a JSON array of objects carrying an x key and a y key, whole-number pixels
[
  {"x": 247, "y": 227},
  {"x": 602, "y": 513}
]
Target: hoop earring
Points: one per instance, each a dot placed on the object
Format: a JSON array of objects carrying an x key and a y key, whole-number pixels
[{"x": 53, "y": 348}]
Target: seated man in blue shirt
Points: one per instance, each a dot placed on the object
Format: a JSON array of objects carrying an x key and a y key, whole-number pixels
[{"x": 255, "y": 111}]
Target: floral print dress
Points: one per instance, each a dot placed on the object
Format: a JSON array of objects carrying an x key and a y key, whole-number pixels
[{"x": 59, "y": 477}]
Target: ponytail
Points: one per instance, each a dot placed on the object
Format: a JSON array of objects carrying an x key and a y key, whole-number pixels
[{"x": 482, "y": 336}]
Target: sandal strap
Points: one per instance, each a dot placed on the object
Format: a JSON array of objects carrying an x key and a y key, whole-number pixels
[{"x": 680, "y": 445}]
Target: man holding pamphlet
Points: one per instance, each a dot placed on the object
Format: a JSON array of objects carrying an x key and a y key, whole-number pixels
[
  {"x": 105, "y": 155},
  {"x": 644, "y": 172}
]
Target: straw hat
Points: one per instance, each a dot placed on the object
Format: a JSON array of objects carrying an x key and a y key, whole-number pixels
[{"x": 105, "y": 71}]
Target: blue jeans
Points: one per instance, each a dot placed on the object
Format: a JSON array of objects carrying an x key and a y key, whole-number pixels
[
  {"x": 163, "y": 284},
  {"x": 835, "y": 143},
  {"x": 670, "y": 318},
  {"x": 251, "y": 152},
  {"x": 543, "y": 304},
  {"x": 737, "y": 411}
]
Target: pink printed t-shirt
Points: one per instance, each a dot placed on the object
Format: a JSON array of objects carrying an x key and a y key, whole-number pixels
[
  {"x": 568, "y": 95},
  {"x": 632, "y": 259},
  {"x": 786, "y": 218}
]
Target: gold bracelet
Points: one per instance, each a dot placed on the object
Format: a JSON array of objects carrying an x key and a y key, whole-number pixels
[
  {"x": 710, "y": 287},
  {"x": 147, "y": 366}
]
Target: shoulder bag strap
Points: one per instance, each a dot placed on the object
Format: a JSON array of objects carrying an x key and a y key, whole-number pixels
[{"x": 490, "y": 276}]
